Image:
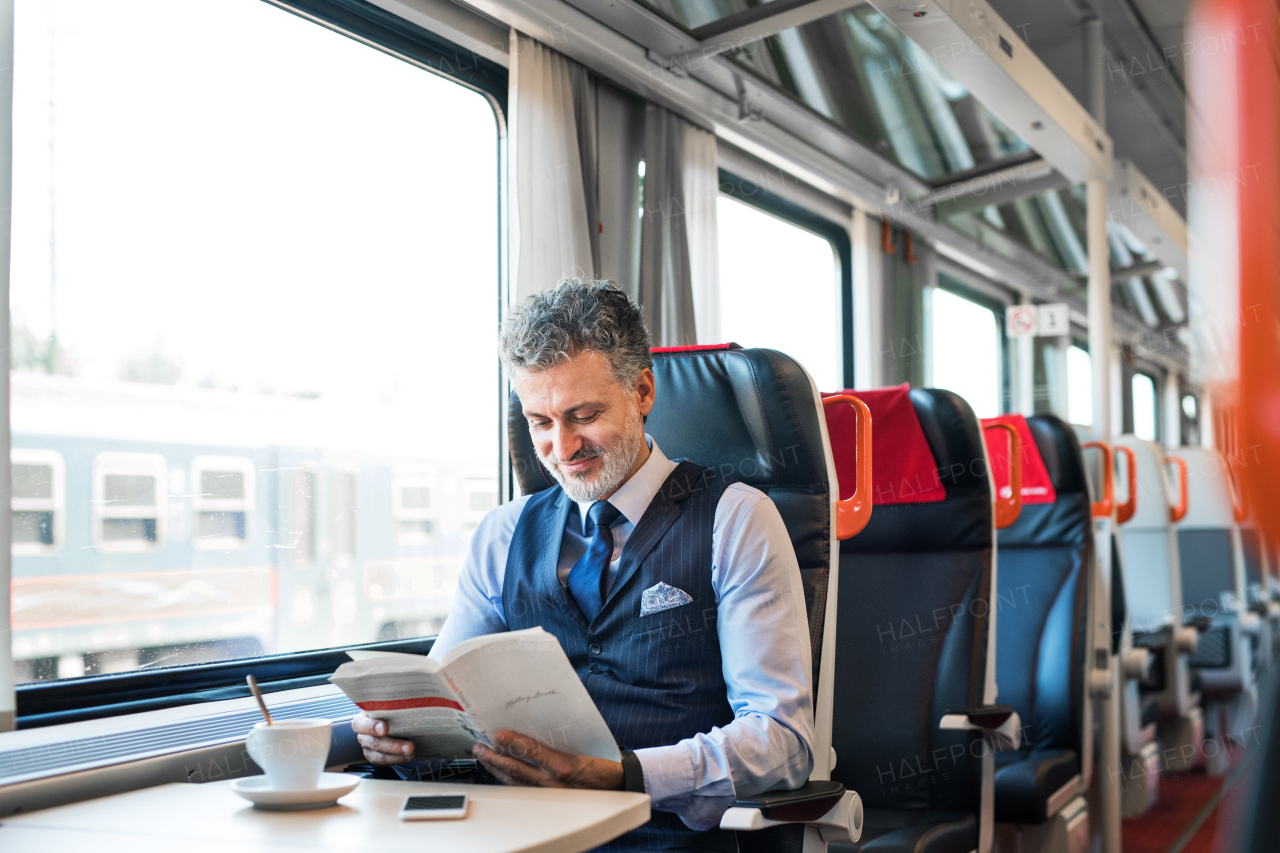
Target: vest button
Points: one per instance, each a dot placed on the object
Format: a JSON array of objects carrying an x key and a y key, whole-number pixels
[
  {"x": 594, "y": 648},
  {"x": 595, "y": 670}
]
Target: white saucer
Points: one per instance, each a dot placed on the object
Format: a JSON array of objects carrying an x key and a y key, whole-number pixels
[{"x": 326, "y": 793}]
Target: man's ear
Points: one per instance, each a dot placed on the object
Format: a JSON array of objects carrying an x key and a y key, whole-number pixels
[{"x": 645, "y": 392}]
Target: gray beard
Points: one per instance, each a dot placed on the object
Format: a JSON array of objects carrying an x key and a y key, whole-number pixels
[{"x": 616, "y": 464}]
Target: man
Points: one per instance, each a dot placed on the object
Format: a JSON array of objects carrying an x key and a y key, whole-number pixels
[{"x": 637, "y": 541}]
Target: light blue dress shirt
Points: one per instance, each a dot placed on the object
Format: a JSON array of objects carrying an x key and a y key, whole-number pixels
[{"x": 764, "y": 643}]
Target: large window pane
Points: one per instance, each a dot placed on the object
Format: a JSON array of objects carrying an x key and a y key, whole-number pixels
[
  {"x": 254, "y": 275},
  {"x": 965, "y": 351},
  {"x": 1143, "y": 388},
  {"x": 1079, "y": 386},
  {"x": 779, "y": 288}
]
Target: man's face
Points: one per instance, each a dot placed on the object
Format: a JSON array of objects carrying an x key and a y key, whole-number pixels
[{"x": 586, "y": 427}]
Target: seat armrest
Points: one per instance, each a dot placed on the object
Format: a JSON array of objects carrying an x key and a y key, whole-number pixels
[
  {"x": 998, "y": 724},
  {"x": 836, "y": 813}
]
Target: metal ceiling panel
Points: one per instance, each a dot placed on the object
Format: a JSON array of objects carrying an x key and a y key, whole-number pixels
[
  {"x": 1135, "y": 203},
  {"x": 974, "y": 45}
]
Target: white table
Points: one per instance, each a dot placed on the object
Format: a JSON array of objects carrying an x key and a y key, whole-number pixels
[{"x": 211, "y": 818}]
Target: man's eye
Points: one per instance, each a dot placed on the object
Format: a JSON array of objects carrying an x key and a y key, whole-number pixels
[
  {"x": 586, "y": 417},
  {"x": 539, "y": 424}
]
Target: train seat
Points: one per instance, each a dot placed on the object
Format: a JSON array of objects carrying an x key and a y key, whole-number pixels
[
  {"x": 1211, "y": 557},
  {"x": 753, "y": 416},
  {"x": 913, "y": 629},
  {"x": 1045, "y": 561},
  {"x": 1257, "y": 577},
  {"x": 1148, "y": 546}
]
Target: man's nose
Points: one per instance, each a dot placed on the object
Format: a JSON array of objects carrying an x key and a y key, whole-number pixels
[{"x": 567, "y": 442}]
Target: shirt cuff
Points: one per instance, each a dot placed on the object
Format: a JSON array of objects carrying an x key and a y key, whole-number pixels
[{"x": 668, "y": 772}]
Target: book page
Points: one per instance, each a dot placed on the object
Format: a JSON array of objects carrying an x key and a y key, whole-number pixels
[
  {"x": 415, "y": 699},
  {"x": 522, "y": 681}
]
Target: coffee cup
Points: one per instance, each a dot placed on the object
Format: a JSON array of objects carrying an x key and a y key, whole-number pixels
[{"x": 291, "y": 752}]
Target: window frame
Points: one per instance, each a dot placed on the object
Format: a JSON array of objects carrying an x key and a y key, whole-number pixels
[
  {"x": 750, "y": 193},
  {"x": 56, "y": 503},
  {"x": 118, "y": 463},
  {"x": 51, "y": 703},
  {"x": 246, "y": 505}
]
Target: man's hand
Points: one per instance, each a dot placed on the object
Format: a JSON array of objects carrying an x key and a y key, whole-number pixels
[
  {"x": 523, "y": 761},
  {"x": 379, "y": 750}
]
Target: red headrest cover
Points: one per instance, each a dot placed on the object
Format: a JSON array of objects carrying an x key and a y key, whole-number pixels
[
  {"x": 1037, "y": 487},
  {"x": 903, "y": 470}
]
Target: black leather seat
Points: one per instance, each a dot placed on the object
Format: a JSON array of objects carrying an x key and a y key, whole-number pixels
[
  {"x": 752, "y": 416},
  {"x": 911, "y": 645},
  {"x": 1040, "y": 644}
]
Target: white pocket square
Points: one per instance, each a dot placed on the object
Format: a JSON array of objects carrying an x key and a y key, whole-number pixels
[{"x": 662, "y": 597}]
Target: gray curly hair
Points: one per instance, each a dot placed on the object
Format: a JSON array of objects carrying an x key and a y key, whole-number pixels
[{"x": 555, "y": 325}]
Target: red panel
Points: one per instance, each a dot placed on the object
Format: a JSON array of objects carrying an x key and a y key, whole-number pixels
[
  {"x": 402, "y": 704},
  {"x": 1037, "y": 488},
  {"x": 903, "y": 470},
  {"x": 694, "y": 348}
]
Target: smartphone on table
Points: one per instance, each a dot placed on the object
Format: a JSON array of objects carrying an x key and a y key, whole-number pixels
[{"x": 435, "y": 807}]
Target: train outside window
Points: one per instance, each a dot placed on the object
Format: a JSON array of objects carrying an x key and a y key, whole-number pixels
[
  {"x": 37, "y": 501},
  {"x": 271, "y": 290},
  {"x": 411, "y": 502},
  {"x": 128, "y": 494},
  {"x": 222, "y": 501}
]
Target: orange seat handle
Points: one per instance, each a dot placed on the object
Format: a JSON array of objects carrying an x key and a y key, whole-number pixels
[
  {"x": 1102, "y": 508},
  {"x": 1178, "y": 511},
  {"x": 1008, "y": 509},
  {"x": 1125, "y": 511},
  {"x": 1239, "y": 504},
  {"x": 853, "y": 514}
]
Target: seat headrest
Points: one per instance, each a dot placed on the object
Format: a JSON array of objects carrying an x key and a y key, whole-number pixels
[
  {"x": 1059, "y": 516},
  {"x": 960, "y": 522},
  {"x": 1210, "y": 500},
  {"x": 749, "y": 414},
  {"x": 1154, "y": 495},
  {"x": 1037, "y": 483},
  {"x": 902, "y": 466}
]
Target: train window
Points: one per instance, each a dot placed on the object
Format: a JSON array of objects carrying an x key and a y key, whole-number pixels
[
  {"x": 222, "y": 501},
  {"x": 416, "y": 519},
  {"x": 965, "y": 350},
  {"x": 36, "y": 502},
  {"x": 128, "y": 494},
  {"x": 236, "y": 285},
  {"x": 800, "y": 317},
  {"x": 1143, "y": 391},
  {"x": 1079, "y": 386},
  {"x": 344, "y": 515}
]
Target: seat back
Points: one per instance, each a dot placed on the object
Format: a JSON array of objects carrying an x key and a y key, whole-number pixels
[
  {"x": 753, "y": 416},
  {"x": 1042, "y": 595},
  {"x": 1149, "y": 546},
  {"x": 914, "y": 591},
  {"x": 1210, "y": 552}
]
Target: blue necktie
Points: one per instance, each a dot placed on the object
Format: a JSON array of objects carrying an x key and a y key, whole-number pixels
[{"x": 589, "y": 575}]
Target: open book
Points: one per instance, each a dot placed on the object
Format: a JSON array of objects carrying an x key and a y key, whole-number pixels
[{"x": 520, "y": 681}]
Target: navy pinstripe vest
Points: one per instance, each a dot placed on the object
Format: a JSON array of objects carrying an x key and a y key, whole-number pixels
[{"x": 657, "y": 678}]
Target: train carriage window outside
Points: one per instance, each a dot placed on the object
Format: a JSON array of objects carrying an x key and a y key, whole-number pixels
[
  {"x": 222, "y": 501},
  {"x": 965, "y": 350},
  {"x": 779, "y": 288},
  {"x": 128, "y": 492},
  {"x": 482, "y": 496},
  {"x": 416, "y": 520},
  {"x": 1143, "y": 389},
  {"x": 37, "y": 501},
  {"x": 1079, "y": 386},
  {"x": 344, "y": 515},
  {"x": 287, "y": 259}
]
